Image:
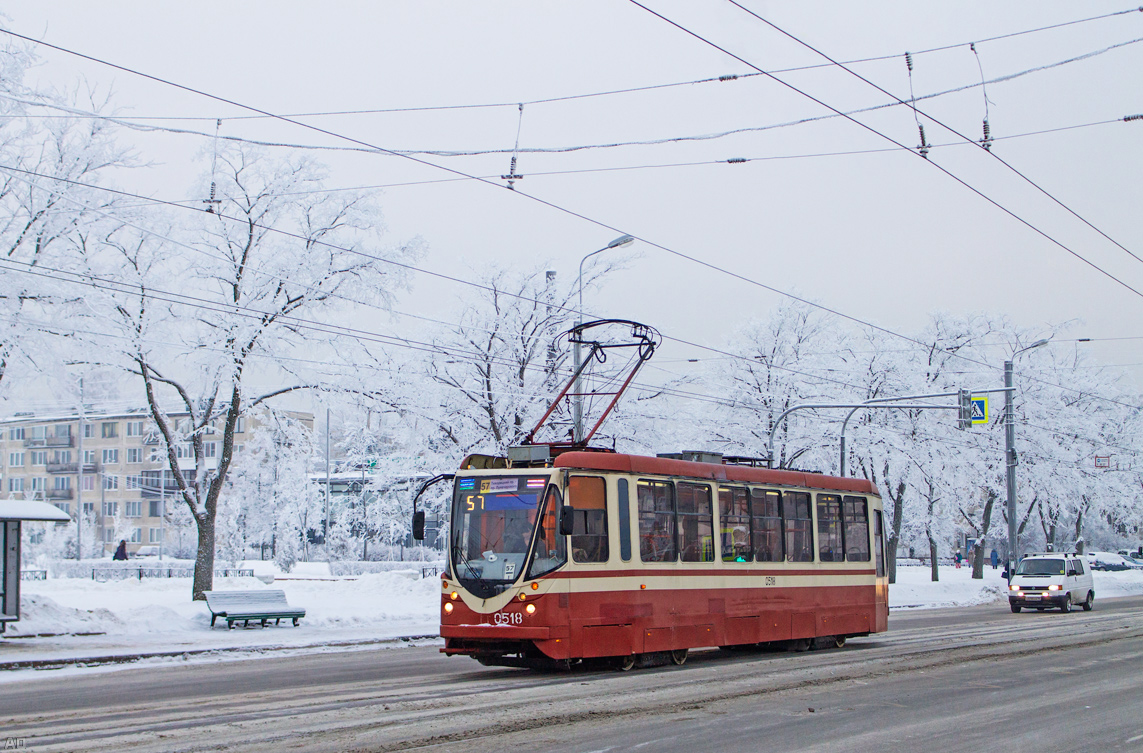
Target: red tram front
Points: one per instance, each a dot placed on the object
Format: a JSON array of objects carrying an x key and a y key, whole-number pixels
[{"x": 603, "y": 555}]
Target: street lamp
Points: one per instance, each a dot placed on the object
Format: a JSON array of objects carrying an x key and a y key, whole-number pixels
[
  {"x": 1010, "y": 456},
  {"x": 577, "y": 395}
]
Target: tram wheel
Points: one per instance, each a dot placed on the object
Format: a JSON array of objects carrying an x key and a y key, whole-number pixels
[
  {"x": 802, "y": 644},
  {"x": 627, "y": 663},
  {"x": 839, "y": 641},
  {"x": 679, "y": 657}
]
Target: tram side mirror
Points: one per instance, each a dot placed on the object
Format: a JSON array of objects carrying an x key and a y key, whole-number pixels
[
  {"x": 567, "y": 521},
  {"x": 419, "y": 525}
]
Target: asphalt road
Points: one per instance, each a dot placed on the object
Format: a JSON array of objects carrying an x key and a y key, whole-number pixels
[{"x": 959, "y": 679}]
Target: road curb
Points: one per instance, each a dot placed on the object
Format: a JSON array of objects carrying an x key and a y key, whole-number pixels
[{"x": 96, "y": 661}]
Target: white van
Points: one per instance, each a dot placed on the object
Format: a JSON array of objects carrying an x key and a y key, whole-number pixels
[{"x": 1051, "y": 580}]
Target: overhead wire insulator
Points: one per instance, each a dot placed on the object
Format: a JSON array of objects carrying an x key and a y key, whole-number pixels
[
  {"x": 986, "y": 142},
  {"x": 728, "y": 77},
  {"x": 1129, "y": 118},
  {"x": 512, "y": 175},
  {"x": 909, "y": 61},
  {"x": 736, "y": 160},
  {"x": 924, "y": 147}
]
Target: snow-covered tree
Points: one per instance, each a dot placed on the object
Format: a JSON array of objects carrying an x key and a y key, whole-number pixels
[{"x": 235, "y": 290}]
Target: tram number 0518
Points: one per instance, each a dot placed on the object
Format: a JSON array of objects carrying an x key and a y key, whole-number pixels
[{"x": 508, "y": 618}]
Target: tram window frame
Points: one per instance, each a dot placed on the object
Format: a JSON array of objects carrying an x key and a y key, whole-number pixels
[
  {"x": 652, "y": 517},
  {"x": 799, "y": 530},
  {"x": 729, "y": 513},
  {"x": 879, "y": 542},
  {"x": 624, "y": 505},
  {"x": 548, "y": 520},
  {"x": 772, "y": 533},
  {"x": 698, "y": 549},
  {"x": 588, "y": 543},
  {"x": 831, "y": 533},
  {"x": 856, "y": 528}
]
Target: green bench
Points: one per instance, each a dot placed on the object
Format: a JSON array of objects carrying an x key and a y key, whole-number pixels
[{"x": 247, "y": 606}]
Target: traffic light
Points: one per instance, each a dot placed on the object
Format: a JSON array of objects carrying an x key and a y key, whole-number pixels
[{"x": 964, "y": 409}]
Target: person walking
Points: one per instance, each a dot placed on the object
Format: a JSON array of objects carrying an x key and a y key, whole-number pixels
[{"x": 121, "y": 551}]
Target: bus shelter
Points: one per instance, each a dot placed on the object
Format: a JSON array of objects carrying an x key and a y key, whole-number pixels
[{"x": 13, "y": 512}]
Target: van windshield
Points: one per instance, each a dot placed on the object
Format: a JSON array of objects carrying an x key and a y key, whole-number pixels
[{"x": 1041, "y": 567}]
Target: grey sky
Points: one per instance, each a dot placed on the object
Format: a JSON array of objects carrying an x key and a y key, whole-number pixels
[{"x": 883, "y": 236}]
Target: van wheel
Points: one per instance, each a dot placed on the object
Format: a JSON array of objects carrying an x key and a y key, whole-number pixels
[
  {"x": 1089, "y": 602},
  {"x": 1067, "y": 605},
  {"x": 1015, "y": 608},
  {"x": 679, "y": 657}
]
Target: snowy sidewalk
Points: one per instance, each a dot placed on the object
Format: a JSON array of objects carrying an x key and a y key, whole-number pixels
[{"x": 74, "y": 621}]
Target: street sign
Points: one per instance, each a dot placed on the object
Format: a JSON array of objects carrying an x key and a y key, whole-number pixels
[
  {"x": 1102, "y": 461},
  {"x": 979, "y": 409}
]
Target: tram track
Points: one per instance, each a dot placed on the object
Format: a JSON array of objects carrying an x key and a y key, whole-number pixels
[{"x": 434, "y": 710}]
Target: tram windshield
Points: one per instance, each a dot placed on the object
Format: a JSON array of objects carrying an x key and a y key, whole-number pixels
[{"x": 492, "y": 522}]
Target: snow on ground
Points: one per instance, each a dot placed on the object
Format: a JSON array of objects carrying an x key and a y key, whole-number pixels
[{"x": 71, "y": 619}]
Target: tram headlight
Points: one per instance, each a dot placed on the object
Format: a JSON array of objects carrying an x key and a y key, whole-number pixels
[
  {"x": 448, "y": 607},
  {"x": 530, "y": 609},
  {"x": 453, "y": 595},
  {"x": 523, "y": 597}
]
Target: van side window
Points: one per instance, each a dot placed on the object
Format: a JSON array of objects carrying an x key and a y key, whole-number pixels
[
  {"x": 587, "y": 495},
  {"x": 767, "y": 505},
  {"x": 656, "y": 501},
  {"x": 799, "y": 527},
  {"x": 734, "y": 517},
  {"x": 1079, "y": 567},
  {"x": 696, "y": 523}
]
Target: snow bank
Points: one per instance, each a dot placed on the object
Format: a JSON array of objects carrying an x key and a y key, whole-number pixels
[{"x": 76, "y": 618}]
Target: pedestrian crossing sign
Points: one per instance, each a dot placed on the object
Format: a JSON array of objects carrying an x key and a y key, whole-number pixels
[{"x": 979, "y": 409}]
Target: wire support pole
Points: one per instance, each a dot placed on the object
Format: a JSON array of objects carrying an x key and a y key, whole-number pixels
[
  {"x": 1010, "y": 469},
  {"x": 880, "y": 403}
]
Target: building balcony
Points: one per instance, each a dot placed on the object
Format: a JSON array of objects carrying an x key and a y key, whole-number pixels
[
  {"x": 155, "y": 492},
  {"x": 60, "y": 493},
  {"x": 73, "y": 468},
  {"x": 68, "y": 441}
]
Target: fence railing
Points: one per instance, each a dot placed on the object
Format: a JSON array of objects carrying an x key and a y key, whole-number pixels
[
  {"x": 102, "y": 574},
  {"x": 33, "y": 575}
]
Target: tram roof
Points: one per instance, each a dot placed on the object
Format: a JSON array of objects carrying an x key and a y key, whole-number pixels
[{"x": 598, "y": 461}]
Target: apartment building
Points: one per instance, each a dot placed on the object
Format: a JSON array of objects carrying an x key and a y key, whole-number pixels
[{"x": 115, "y": 462}]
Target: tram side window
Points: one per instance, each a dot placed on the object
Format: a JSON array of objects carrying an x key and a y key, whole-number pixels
[
  {"x": 799, "y": 527},
  {"x": 656, "y": 522},
  {"x": 831, "y": 544},
  {"x": 696, "y": 523},
  {"x": 550, "y": 551},
  {"x": 588, "y": 496},
  {"x": 855, "y": 515},
  {"x": 767, "y": 525},
  {"x": 734, "y": 517},
  {"x": 879, "y": 543}
]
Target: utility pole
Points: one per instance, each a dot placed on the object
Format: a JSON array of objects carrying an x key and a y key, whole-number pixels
[
  {"x": 1010, "y": 469},
  {"x": 325, "y": 524},
  {"x": 1010, "y": 456},
  {"x": 79, "y": 485}
]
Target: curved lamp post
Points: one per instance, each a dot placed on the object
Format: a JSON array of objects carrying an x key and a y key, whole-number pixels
[{"x": 577, "y": 395}]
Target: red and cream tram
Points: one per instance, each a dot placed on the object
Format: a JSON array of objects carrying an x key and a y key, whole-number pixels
[{"x": 638, "y": 559}]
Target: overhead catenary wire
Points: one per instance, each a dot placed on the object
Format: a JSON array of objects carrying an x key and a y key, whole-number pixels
[
  {"x": 567, "y": 149},
  {"x": 956, "y": 133},
  {"x": 1011, "y": 213},
  {"x": 635, "y": 89},
  {"x": 573, "y": 213}
]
